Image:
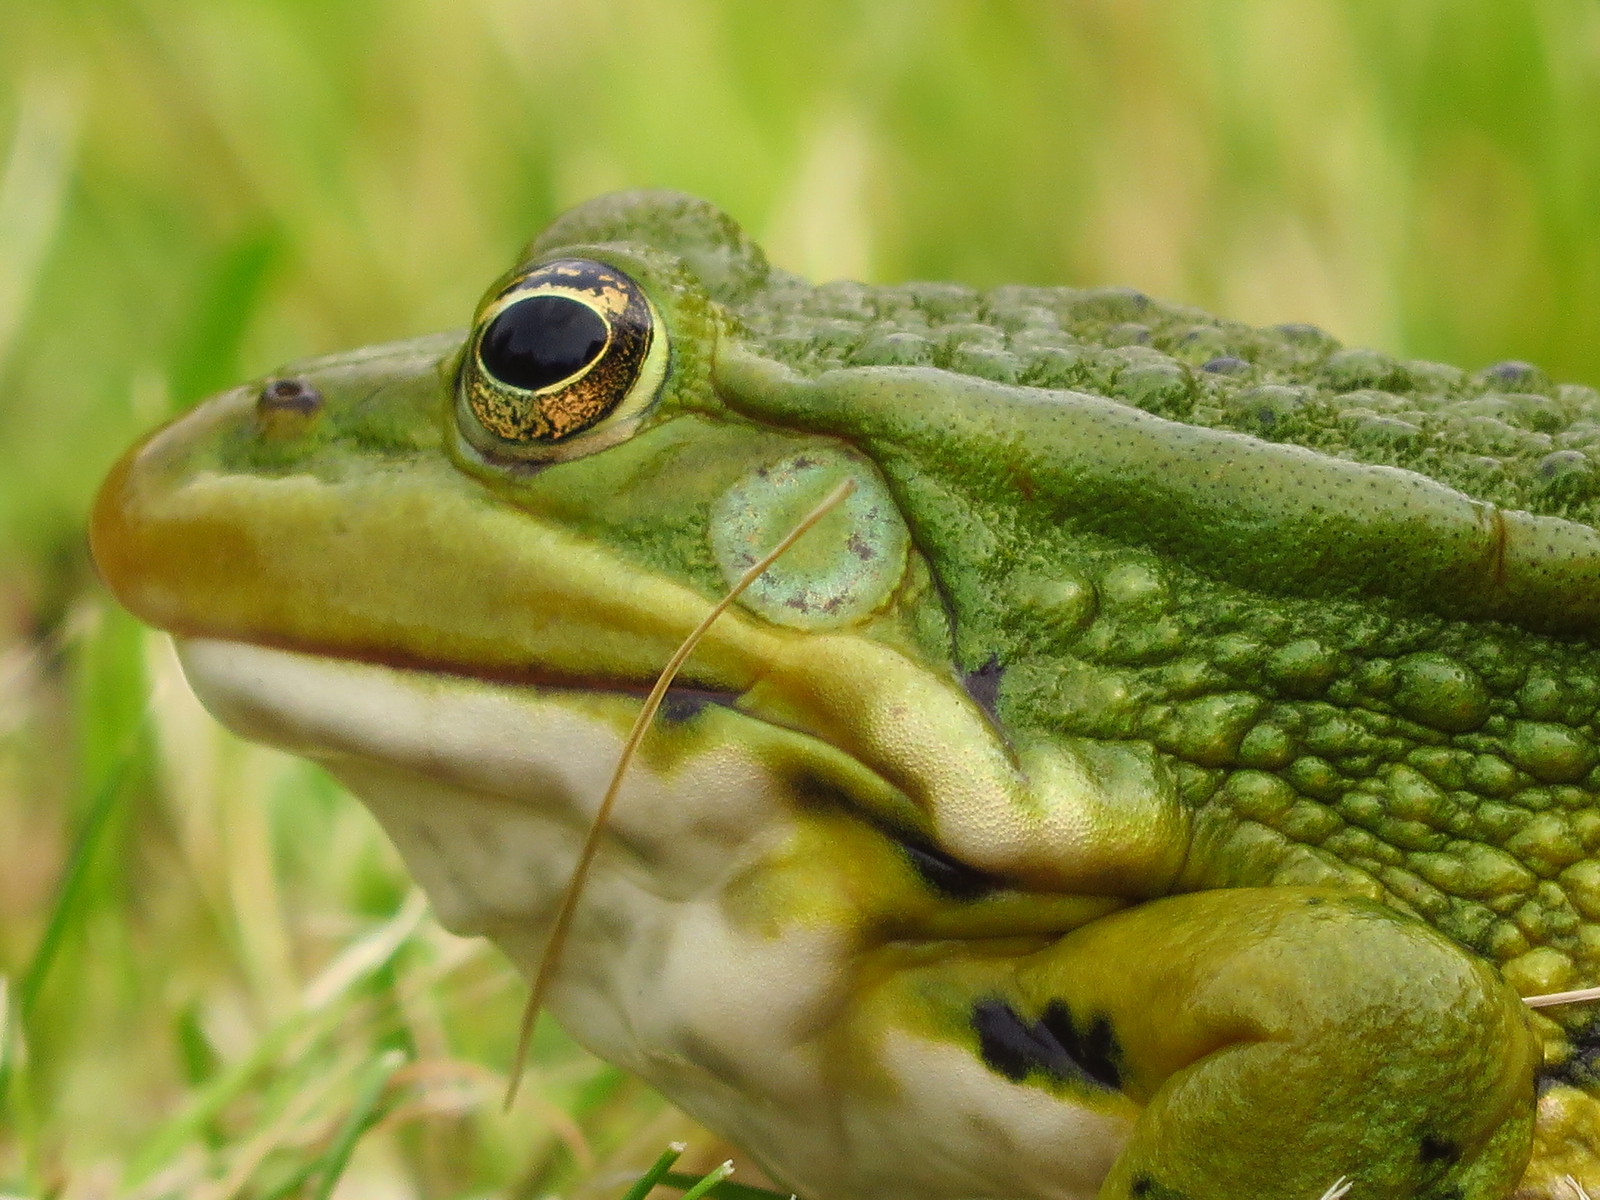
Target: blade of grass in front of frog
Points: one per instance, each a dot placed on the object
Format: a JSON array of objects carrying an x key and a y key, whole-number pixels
[
  {"x": 1552, "y": 999},
  {"x": 709, "y": 1182},
  {"x": 591, "y": 845},
  {"x": 658, "y": 1171}
]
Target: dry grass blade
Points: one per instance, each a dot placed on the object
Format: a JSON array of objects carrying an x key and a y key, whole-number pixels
[
  {"x": 365, "y": 955},
  {"x": 1552, "y": 999},
  {"x": 591, "y": 845}
]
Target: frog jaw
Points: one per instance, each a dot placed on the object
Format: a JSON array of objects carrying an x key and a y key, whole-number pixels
[
  {"x": 690, "y": 805},
  {"x": 488, "y": 790}
]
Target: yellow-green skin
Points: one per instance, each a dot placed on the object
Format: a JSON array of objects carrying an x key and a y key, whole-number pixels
[{"x": 1158, "y": 780}]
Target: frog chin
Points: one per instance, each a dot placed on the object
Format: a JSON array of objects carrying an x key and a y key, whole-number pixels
[
  {"x": 489, "y": 788},
  {"x": 488, "y": 791}
]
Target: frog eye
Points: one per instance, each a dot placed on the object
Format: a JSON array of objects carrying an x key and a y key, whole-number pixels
[{"x": 562, "y": 361}]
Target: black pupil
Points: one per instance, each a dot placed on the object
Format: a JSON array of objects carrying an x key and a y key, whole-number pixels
[{"x": 542, "y": 340}]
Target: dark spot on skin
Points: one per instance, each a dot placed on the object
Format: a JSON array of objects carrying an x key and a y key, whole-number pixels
[
  {"x": 679, "y": 705},
  {"x": 1145, "y": 1187},
  {"x": 1439, "y": 1150},
  {"x": 1009, "y": 1045},
  {"x": 1094, "y": 1047},
  {"x": 950, "y": 877},
  {"x": 816, "y": 793},
  {"x": 288, "y": 396},
  {"x": 1228, "y": 364},
  {"x": 1013, "y": 1047},
  {"x": 1562, "y": 462},
  {"x": 802, "y": 463},
  {"x": 983, "y": 685},
  {"x": 1511, "y": 372},
  {"x": 860, "y": 547},
  {"x": 1314, "y": 901}
]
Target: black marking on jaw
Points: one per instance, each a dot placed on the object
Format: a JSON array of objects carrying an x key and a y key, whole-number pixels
[
  {"x": 1093, "y": 1046},
  {"x": 1009, "y": 1045},
  {"x": 686, "y": 703},
  {"x": 1054, "y": 1045},
  {"x": 950, "y": 877}
]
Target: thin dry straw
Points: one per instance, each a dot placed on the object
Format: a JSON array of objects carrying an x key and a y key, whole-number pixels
[
  {"x": 1551, "y": 999},
  {"x": 591, "y": 845}
]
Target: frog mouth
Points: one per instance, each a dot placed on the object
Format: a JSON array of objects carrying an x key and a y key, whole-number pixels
[{"x": 481, "y": 730}]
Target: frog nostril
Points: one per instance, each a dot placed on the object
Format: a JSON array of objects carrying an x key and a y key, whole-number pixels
[{"x": 288, "y": 396}]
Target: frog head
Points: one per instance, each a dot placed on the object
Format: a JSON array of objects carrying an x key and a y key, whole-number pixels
[{"x": 449, "y": 568}]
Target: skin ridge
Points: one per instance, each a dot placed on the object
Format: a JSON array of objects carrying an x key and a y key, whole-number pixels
[{"x": 1506, "y": 435}]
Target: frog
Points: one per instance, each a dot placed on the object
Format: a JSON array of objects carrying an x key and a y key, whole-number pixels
[{"x": 1163, "y": 776}]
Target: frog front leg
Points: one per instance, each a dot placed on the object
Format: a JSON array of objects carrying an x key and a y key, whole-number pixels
[{"x": 1273, "y": 1040}]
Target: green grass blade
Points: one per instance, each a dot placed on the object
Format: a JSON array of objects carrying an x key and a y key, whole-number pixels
[
  {"x": 362, "y": 958},
  {"x": 71, "y": 889},
  {"x": 362, "y": 1115},
  {"x": 226, "y": 302},
  {"x": 657, "y": 1172},
  {"x": 713, "y": 1178}
]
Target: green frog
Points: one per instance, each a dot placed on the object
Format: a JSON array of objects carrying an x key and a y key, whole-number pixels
[{"x": 1162, "y": 777}]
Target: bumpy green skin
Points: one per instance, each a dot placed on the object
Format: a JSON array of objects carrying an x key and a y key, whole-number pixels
[{"x": 1295, "y": 644}]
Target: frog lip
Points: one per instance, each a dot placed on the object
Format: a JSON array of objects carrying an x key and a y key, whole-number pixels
[
  {"x": 257, "y": 717},
  {"x": 532, "y": 676}
]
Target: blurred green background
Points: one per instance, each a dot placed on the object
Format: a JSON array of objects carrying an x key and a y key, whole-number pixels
[{"x": 214, "y": 982}]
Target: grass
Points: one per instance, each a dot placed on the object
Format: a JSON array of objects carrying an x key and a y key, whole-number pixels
[{"x": 214, "y": 979}]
